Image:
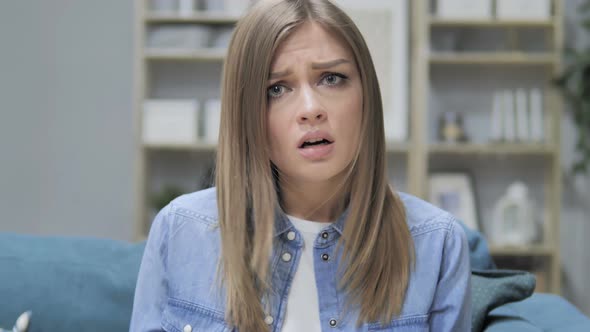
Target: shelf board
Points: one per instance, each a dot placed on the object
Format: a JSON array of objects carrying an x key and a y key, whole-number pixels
[
  {"x": 395, "y": 147},
  {"x": 203, "y": 54},
  {"x": 525, "y": 250},
  {"x": 491, "y": 58},
  {"x": 492, "y": 149},
  {"x": 492, "y": 23},
  {"x": 196, "y": 147},
  {"x": 196, "y": 17}
]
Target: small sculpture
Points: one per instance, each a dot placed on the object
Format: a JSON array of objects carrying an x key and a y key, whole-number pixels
[
  {"x": 514, "y": 222},
  {"x": 22, "y": 323},
  {"x": 450, "y": 128}
]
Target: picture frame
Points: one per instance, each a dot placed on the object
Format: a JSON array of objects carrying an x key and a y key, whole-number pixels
[
  {"x": 385, "y": 28},
  {"x": 454, "y": 192}
]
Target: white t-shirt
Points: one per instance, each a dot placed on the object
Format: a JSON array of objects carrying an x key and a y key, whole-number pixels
[{"x": 303, "y": 312}]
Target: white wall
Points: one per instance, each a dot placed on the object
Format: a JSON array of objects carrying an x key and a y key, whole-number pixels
[{"x": 66, "y": 117}]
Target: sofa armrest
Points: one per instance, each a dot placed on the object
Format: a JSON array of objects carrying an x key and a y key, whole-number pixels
[
  {"x": 69, "y": 283},
  {"x": 540, "y": 312}
]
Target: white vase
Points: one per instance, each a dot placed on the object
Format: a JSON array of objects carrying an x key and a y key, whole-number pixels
[{"x": 513, "y": 218}]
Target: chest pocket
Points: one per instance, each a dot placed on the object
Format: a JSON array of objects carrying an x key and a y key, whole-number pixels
[
  {"x": 418, "y": 323},
  {"x": 182, "y": 316}
]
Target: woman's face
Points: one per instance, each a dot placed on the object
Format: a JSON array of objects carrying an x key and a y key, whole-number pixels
[{"x": 314, "y": 106}]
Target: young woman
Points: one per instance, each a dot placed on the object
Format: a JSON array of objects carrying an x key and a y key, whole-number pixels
[{"x": 303, "y": 231}]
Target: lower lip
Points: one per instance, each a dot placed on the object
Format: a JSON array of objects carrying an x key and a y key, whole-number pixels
[{"x": 317, "y": 152}]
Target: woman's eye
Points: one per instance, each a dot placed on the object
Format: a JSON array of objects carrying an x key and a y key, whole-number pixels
[
  {"x": 333, "y": 79},
  {"x": 276, "y": 91}
]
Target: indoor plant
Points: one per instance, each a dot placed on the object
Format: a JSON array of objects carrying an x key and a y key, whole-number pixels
[{"x": 574, "y": 82}]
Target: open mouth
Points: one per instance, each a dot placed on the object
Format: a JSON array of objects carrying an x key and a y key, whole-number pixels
[{"x": 315, "y": 142}]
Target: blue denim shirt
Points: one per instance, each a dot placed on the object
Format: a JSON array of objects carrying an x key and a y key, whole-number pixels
[{"x": 177, "y": 288}]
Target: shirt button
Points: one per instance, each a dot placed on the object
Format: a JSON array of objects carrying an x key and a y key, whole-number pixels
[
  {"x": 291, "y": 236},
  {"x": 187, "y": 328},
  {"x": 333, "y": 323},
  {"x": 268, "y": 320},
  {"x": 325, "y": 235},
  {"x": 286, "y": 257},
  {"x": 325, "y": 257}
]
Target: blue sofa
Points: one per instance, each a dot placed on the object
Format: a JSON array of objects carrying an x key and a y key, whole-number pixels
[
  {"x": 87, "y": 284},
  {"x": 535, "y": 312}
]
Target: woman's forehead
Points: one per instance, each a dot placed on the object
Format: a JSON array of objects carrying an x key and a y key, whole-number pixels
[{"x": 311, "y": 42}]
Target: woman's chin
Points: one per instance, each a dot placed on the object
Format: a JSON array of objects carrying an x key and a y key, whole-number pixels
[{"x": 322, "y": 175}]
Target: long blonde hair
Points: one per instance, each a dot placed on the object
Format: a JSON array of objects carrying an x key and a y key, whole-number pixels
[{"x": 378, "y": 251}]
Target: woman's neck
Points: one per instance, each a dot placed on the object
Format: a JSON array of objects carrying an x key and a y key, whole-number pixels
[{"x": 313, "y": 201}]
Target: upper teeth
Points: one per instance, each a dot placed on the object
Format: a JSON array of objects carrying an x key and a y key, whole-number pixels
[{"x": 313, "y": 140}]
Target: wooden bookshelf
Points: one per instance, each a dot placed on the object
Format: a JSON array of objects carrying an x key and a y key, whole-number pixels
[
  {"x": 489, "y": 58},
  {"x": 196, "y": 17},
  {"x": 491, "y": 23},
  {"x": 492, "y": 149},
  {"x": 197, "y": 147},
  {"x": 204, "y": 54},
  {"x": 530, "y": 250},
  {"x": 420, "y": 152},
  {"x": 426, "y": 153}
]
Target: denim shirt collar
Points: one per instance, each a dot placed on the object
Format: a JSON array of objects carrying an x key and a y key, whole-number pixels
[{"x": 283, "y": 224}]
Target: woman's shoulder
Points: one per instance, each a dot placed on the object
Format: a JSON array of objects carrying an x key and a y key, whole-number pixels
[
  {"x": 184, "y": 247},
  {"x": 423, "y": 217},
  {"x": 200, "y": 205},
  {"x": 440, "y": 278},
  {"x": 195, "y": 211}
]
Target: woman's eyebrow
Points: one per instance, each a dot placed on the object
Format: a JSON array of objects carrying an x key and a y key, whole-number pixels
[
  {"x": 328, "y": 64},
  {"x": 279, "y": 74},
  {"x": 314, "y": 65}
]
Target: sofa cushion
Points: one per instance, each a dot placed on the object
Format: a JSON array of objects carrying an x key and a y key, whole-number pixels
[
  {"x": 540, "y": 312},
  {"x": 479, "y": 253},
  {"x": 70, "y": 284},
  {"x": 493, "y": 288}
]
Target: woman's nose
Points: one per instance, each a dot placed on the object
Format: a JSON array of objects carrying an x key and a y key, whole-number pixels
[{"x": 311, "y": 110}]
